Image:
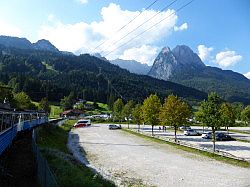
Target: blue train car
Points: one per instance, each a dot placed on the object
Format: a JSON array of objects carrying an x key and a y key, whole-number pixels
[{"x": 12, "y": 122}]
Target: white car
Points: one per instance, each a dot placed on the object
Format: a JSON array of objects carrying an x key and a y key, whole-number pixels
[
  {"x": 83, "y": 123},
  {"x": 191, "y": 132},
  {"x": 207, "y": 135},
  {"x": 185, "y": 128}
]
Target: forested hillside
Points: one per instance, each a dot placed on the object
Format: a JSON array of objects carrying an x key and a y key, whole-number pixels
[{"x": 44, "y": 73}]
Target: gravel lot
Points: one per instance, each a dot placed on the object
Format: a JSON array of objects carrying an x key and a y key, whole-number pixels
[{"x": 130, "y": 160}]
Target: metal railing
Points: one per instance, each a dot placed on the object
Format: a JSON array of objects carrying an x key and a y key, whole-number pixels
[{"x": 45, "y": 177}]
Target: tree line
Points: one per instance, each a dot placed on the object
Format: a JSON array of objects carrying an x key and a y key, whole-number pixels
[
  {"x": 21, "y": 101},
  {"x": 175, "y": 112}
]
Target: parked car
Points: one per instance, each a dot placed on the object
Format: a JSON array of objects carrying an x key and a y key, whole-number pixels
[
  {"x": 191, "y": 132},
  {"x": 207, "y": 135},
  {"x": 185, "y": 128},
  {"x": 83, "y": 123},
  {"x": 223, "y": 137},
  {"x": 113, "y": 127}
]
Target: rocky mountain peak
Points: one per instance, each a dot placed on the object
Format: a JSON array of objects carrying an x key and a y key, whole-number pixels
[
  {"x": 45, "y": 45},
  {"x": 170, "y": 62},
  {"x": 165, "y": 50},
  {"x": 185, "y": 55}
]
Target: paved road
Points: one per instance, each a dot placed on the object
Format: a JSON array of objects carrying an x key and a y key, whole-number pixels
[{"x": 128, "y": 159}]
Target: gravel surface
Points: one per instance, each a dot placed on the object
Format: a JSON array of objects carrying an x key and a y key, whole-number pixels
[{"x": 130, "y": 160}]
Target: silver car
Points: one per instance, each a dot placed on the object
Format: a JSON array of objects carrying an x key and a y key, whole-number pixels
[
  {"x": 207, "y": 135},
  {"x": 191, "y": 132}
]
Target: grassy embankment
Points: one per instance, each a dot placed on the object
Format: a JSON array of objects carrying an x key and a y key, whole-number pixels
[
  {"x": 52, "y": 140},
  {"x": 195, "y": 151}
]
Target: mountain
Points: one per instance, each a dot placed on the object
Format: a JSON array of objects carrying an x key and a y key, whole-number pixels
[
  {"x": 132, "y": 66},
  {"x": 23, "y": 43},
  {"x": 181, "y": 65},
  {"x": 40, "y": 73},
  {"x": 15, "y": 42},
  {"x": 44, "y": 45}
]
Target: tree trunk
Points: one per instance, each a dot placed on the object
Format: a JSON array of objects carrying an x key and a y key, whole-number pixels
[
  {"x": 175, "y": 138},
  {"x": 152, "y": 130},
  {"x": 227, "y": 130},
  {"x": 203, "y": 128},
  {"x": 163, "y": 128},
  {"x": 138, "y": 127},
  {"x": 213, "y": 134},
  {"x": 128, "y": 124}
]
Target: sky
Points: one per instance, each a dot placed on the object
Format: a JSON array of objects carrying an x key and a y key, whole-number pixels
[{"x": 217, "y": 30}]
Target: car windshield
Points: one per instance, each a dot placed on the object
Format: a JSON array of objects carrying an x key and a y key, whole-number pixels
[{"x": 82, "y": 122}]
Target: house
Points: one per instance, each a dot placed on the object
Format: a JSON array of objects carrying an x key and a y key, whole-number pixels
[{"x": 72, "y": 113}]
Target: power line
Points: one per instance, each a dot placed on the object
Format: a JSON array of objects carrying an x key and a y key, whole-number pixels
[
  {"x": 163, "y": 9},
  {"x": 149, "y": 28},
  {"x": 127, "y": 24}
]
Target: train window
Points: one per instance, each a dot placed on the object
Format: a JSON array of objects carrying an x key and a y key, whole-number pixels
[
  {"x": 15, "y": 118},
  {"x": 1, "y": 122},
  {"x": 6, "y": 121}
]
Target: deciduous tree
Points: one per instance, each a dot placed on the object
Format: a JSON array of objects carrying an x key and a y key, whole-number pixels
[
  {"x": 151, "y": 108},
  {"x": 117, "y": 109},
  {"x": 246, "y": 115},
  {"x": 137, "y": 115},
  {"x": 174, "y": 112},
  {"x": 227, "y": 115},
  {"x": 127, "y": 110},
  {"x": 23, "y": 101},
  {"x": 44, "y": 105},
  {"x": 210, "y": 110}
]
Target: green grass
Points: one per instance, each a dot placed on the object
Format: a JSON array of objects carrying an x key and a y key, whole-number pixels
[
  {"x": 55, "y": 111},
  {"x": 68, "y": 172},
  {"x": 48, "y": 67},
  {"x": 101, "y": 109},
  {"x": 195, "y": 151}
]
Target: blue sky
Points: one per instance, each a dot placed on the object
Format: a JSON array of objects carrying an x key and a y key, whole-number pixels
[{"x": 218, "y": 30}]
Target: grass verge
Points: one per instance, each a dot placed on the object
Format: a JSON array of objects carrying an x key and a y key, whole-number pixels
[
  {"x": 53, "y": 142},
  {"x": 195, "y": 151}
]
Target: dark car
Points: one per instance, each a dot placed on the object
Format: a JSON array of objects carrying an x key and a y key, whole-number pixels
[
  {"x": 113, "y": 127},
  {"x": 223, "y": 137}
]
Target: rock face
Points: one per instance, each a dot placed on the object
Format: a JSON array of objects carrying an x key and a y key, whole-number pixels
[
  {"x": 183, "y": 66},
  {"x": 169, "y": 63},
  {"x": 132, "y": 66},
  {"x": 45, "y": 45}
]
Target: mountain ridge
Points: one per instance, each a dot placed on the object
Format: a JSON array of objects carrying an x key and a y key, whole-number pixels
[
  {"x": 23, "y": 43},
  {"x": 181, "y": 65}
]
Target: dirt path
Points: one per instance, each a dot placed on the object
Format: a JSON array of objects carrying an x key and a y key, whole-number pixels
[{"x": 128, "y": 159}]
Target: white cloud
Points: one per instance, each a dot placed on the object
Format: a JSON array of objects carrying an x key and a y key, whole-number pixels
[
  {"x": 227, "y": 58},
  {"x": 51, "y": 17},
  {"x": 84, "y": 37},
  {"x": 184, "y": 26},
  {"x": 8, "y": 29},
  {"x": 204, "y": 52},
  {"x": 83, "y": 1},
  {"x": 247, "y": 75},
  {"x": 143, "y": 54}
]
